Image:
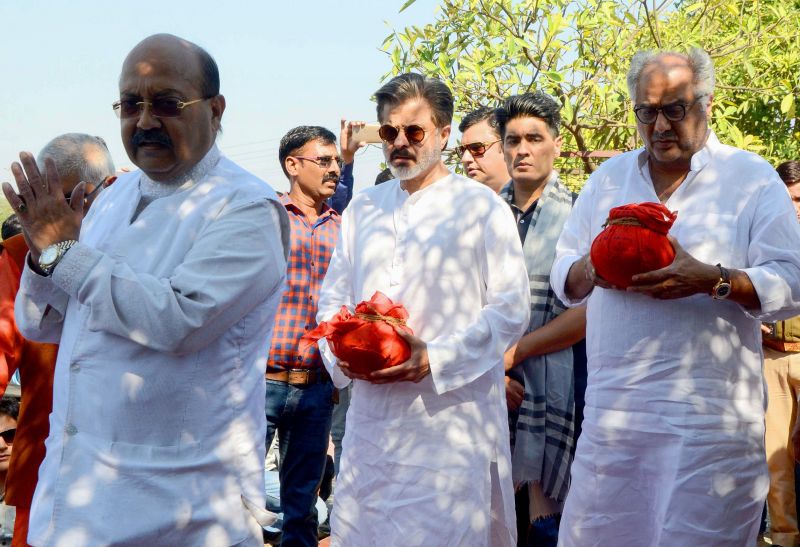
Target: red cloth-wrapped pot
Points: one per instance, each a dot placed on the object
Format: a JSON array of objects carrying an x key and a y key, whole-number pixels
[
  {"x": 366, "y": 340},
  {"x": 634, "y": 241}
]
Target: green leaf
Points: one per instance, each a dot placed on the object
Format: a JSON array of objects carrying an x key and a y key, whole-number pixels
[
  {"x": 554, "y": 76},
  {"x": 408, "y": 3},
  {"x": 787, "y": 103}
]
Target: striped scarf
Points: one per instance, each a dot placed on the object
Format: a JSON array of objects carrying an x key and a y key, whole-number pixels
[{"x": 542, "y": 432}]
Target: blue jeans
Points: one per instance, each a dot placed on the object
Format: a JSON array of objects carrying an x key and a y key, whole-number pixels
[{"x": 302, "y": 417}]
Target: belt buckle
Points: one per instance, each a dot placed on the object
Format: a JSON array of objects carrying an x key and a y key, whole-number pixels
[{"x": 299, "y": 377}]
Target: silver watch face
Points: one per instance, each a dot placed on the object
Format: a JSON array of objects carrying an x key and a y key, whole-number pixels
[{"x": 48, "y": 256}]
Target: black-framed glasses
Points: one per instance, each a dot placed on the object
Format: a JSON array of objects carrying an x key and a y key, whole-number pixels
[
  {"x": 476, "y": 149},
  {"x": 88, "y": 197},
  {"x": 322, "y": 161},
  {"x": 8, "y": 435},
  {"x": 673, "y": 112},
  {"x": 414, "y": 133},
  {"x": 160, "y": 107}
]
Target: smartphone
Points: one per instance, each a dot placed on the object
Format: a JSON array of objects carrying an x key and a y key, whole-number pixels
[{"x": 367, "y": 133}]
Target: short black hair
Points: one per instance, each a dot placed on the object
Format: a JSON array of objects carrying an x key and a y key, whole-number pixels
[
  {"x": 209, "y": 86},
  {"x": 11, "y": 227},
  {"x": 10, "y": 407},
  {"x": 384, "y": 176},
  {"x": 481, "y": 114},
  {"x": 297, "y": 138},
  {"x": 530, "y": 105},
  {"x": 411, "y": 85},
  {"x": 789, "y": 172}
]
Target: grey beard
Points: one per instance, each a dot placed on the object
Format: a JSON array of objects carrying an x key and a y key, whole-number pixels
[{"x": 425, "y": 161}]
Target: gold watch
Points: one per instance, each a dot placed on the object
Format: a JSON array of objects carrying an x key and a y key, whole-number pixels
[
  {"x": 722, "y": 289},
  {"x": 52, "y": 254}
]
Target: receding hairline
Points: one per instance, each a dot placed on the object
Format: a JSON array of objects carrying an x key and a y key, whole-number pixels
[{"x": 153, "y": 49}]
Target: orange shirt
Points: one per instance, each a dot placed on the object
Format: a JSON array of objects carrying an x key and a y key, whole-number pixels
[{"x": 36, "y": 363}]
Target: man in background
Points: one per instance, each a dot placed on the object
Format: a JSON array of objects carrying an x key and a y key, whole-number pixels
[
  {"x": 78, "y": 158},
  {"x": 481, "y": 149},
  {"x": 299, "y": 399}
]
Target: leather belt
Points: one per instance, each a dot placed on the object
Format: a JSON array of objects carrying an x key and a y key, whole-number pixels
[
  {"x": 299, "y": 376},
  {"x": 784, "y": 347}
]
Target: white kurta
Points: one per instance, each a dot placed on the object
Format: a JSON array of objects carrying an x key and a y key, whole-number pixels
[
  {"x": 425, "y": 463},
  {"x": 672, "y": 449},
  {"x": 158, "y": 424}
]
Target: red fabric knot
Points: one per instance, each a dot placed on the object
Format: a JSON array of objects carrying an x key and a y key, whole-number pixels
[
  {"x": 366, "y": 340},
  {"x": 633, "y": 241}
]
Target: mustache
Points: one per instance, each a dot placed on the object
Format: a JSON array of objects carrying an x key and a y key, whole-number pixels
[
  {"x": 665, "y": 136},
  {"x": 151, "y": 136},
  {"x": 330, "y": 176},
  {"x": 401, "y": 154}
]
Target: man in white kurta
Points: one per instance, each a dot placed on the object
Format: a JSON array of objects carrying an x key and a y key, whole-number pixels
[
  {"x": 672, "y": 449},
  {"x": 161, "y": 309},
  {"x": 426, "y": 455}
]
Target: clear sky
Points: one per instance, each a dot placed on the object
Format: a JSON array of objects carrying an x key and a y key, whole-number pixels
[{"x": 282, "y": 64}]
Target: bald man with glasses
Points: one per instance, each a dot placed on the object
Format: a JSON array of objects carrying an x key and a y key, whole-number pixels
[{"x": 162, "y": 301}]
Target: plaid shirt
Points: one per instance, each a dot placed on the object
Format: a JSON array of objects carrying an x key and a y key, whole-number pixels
[{"x": 310, "y": 251}]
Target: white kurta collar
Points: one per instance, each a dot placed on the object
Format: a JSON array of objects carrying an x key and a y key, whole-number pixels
[{"x": 155, "y": 189}]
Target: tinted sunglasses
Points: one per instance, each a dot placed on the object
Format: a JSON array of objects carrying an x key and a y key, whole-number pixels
[
  {"x": 476, "y": 149},
  {"x": 8, "y": 435},
  {"x": 160, "y": 107},
  {"x": 414, "y": 133},
  {"x": 674, "y": 112}
]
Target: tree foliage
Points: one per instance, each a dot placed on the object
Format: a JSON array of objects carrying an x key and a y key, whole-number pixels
[{"x": 579, "y": 52}]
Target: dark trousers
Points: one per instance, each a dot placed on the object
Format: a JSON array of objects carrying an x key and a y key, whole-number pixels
[{"x": 302, "y": 417}]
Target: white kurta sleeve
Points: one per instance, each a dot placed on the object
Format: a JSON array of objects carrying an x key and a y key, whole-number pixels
[
  {"x": 574, "y": 242},
  {"x": 774, "y": 255},
  {"x": 336, "y": 291},
  {"x": 460, "y": 358},
  {"x": 40, "y": 307},
  {"x": 234, "y": 264}
]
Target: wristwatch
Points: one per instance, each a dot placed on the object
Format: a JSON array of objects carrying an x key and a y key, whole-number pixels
[
  {"x": 722, "y": 289},
  {"x": 52, "y": 254}
]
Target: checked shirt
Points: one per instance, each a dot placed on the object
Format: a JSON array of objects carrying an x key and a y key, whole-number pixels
[{"x": 311, "y": 248}]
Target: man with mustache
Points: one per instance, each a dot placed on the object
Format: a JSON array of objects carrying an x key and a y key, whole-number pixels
[
  {"x": 425, "y": 455},
  {"x": 672, "y": 448},
  {"x": 161, "y": 300},
  {"x": 543, "y": 412},
  {"x": 299, "y": 390}
]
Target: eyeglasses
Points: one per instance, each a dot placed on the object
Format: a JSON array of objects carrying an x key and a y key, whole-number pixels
[
  {"x": 322, "y": 161},
  {"x": 476, "y": 149},
  {"x": 674, "y": 112},
  {"x": 87, "y": 197},
  {"x": 8, "y": 435},
  {"x": 160, "y": 107},
  {"x": 414, "y": 133}
]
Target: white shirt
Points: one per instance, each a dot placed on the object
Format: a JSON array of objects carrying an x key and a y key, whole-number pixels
[
  {"x": 158, "y": 425},
  {"x": 430, "y": 459},
  {"x": 672, "y": 444}
]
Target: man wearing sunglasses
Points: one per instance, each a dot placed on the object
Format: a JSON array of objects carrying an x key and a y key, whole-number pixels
[
  {"x": 299, "y": 390},
  {"x": 161, "y": 299},
  {"x": 672, "y": 448},
  {"x": 78, "y": 157},
  {"x": 481, "y": 149},
  {"x": 9, "y": 411},
  {"x": 425, "y": 456}
]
